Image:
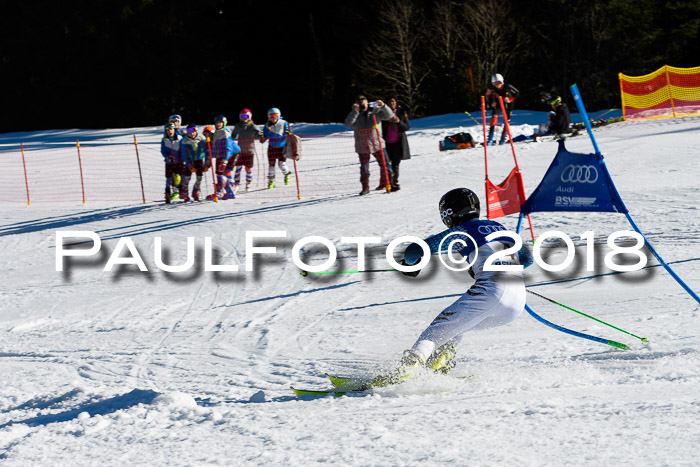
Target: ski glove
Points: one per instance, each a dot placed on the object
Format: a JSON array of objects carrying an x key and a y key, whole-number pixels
[
  {"x": 525, "y": 256},
  {"x": 409, "y": 274}
]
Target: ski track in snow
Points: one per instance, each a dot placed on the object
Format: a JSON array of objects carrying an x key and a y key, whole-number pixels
[{"x": 194, "y": 368}]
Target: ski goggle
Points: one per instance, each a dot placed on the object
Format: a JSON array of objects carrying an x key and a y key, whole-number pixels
[
  {"x": 498, "y": 84},
  {"x": 247, "y": 116},
  {"x": 273, "y": 115},
  {"x": 192, "y": 130}
]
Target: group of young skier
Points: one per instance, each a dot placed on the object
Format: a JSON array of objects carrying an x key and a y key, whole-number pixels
[{"x": 188, "y": 154}]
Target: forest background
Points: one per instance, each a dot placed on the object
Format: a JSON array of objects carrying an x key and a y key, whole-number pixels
[{"x": 95, "y": 64}]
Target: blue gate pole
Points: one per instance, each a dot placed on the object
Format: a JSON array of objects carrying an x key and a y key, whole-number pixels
[
  {"x": 582, "y": 110},
  {"x": 619, "y": 345}
]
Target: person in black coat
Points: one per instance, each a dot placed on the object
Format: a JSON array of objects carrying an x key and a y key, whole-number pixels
[
  {"x": 394, "y": 133},
  {"x": 559, "y": 117}
]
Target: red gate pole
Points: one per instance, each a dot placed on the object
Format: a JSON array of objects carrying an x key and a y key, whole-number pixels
[
  {"x": 26, "y": 180},
  {"x": 521, "y": 186},
  {"x": 385, "y": 172},
  {"x": 486, "y": 156},
  {"x": 138, "y": 162},
  {"x": 80, "y": 163}
]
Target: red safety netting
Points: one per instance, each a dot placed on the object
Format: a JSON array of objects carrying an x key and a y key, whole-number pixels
[{"x": 91, "y": 172}]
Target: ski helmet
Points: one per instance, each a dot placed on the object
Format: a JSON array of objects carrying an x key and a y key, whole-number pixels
[
  {"x": 220, "y": 118},
  {"x": 555, "y": 102},
  {"x": 458, "y": 206},
  {"x": 208, "y": 129},
  {"x": 497, "y": 78},
  {"x": 245, "y": 113},
  {"x": 175, "y": 118},
  {"x": 168, "y": 126},
  {"x": 274, "y": 110}
]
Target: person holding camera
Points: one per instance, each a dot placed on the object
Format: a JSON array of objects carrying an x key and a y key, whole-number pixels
[{"x": 362, "y": 120}]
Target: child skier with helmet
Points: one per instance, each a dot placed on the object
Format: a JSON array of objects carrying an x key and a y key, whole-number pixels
[
  {"x": 223, "y": 150},
  {"x": 495, "y": 299},
  {"x": 192, "y": 156},
  {"x": 247, "y": 132},
  {"x": 498, "y": 87},
  {"x": 275, "y": 131},
  {"x": 176, "y": 120},
  {"x": 169, "y": 148}
]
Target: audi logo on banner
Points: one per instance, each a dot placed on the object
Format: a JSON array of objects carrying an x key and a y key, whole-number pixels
[
  {"x": 487, "y": 229},
  {"x": 579, "y": 174}
]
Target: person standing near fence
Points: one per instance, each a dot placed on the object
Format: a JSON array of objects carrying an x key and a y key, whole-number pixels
[
  {"x": 275, "y": 131},
  {"x": 192, "y": 155},
  {"x": 246, "y": 131},
  {"x": 394, "y": 133},
  {"x": 169, "y": 148},
  {"x": 224, "y": 149},
  {"x": 361, "y": 119},
  {"x": 509, "y": 93}
]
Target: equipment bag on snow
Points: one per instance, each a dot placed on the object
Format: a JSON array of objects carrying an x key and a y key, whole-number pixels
[
  {"x": 461, "y": 140},
  {"x": 293, "y": 147}
]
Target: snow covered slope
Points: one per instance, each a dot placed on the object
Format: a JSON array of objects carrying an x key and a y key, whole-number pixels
[{"x": 191, "y": 368}]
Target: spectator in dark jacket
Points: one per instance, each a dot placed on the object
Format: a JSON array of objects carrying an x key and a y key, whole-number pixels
[
  {"x": 559, "y": 117},
  {"x": 394, "y": 133}
]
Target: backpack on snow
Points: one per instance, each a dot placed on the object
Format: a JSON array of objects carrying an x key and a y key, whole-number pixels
[
  {"x": 293, "y": 147},
  {"x": 461, "y": 140}
]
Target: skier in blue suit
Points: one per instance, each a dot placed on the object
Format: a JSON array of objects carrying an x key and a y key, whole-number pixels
[{"x": 496, "y": 298}]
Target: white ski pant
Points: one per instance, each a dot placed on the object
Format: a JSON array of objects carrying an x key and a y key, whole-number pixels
[{"x": 492, "y": 301}]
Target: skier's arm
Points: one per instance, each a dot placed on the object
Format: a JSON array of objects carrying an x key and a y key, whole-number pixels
[
  {"x": 352, "y": 117},
  {"x": 513, "y": 93},
  {"x": 235, "y": 148},
  {"x": 384, "y": 112},
  {"x": 525, "y": 256},
  {"x": 404, "y": 123}
]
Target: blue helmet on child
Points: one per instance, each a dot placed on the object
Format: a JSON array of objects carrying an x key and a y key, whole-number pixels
[{"x": 458, "y": 206}]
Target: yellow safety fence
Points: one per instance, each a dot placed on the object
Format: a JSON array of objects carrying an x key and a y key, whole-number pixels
[{"x": 668, "y": 92}]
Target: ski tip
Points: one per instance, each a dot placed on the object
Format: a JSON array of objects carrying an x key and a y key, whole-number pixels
[{"x": 321, "y": 393}]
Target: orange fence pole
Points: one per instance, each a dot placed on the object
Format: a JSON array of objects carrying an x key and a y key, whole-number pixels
[
  {"x": 80, "y": 163},
  {"x": 26, "y": 180},
  {"x": 294, "y": 160},
  {"x": 138, "y": 162},
  {"x": 670, "y": 91}
]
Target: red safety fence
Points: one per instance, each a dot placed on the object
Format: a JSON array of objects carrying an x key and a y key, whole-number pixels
[
  {"x": 668, "y": 92},
  {"x": 92, "y": 172}
]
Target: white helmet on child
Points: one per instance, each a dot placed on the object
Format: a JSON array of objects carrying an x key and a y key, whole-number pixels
[{"x": 497, "y": 78}]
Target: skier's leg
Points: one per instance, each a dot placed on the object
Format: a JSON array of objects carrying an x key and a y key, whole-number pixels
[
  {"x": 486, "y": 304},
  {"x": 237, "y": 175},
  {"x": 492, "y": 125},
  {"x": 383, "y": 171},
  {"x": 364, "y": 173}
]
